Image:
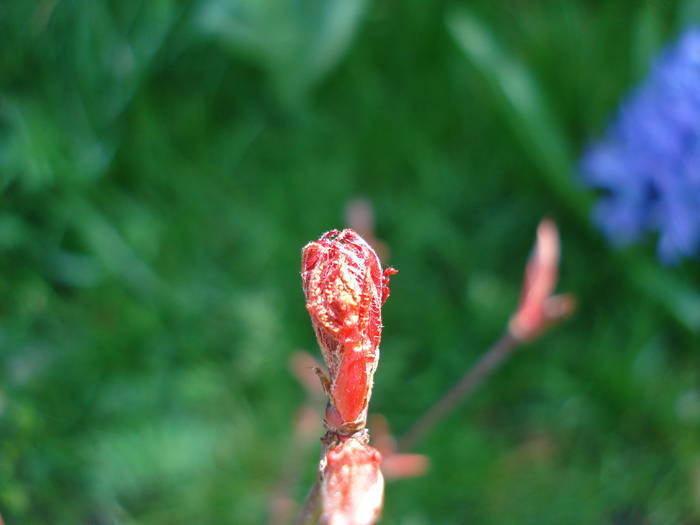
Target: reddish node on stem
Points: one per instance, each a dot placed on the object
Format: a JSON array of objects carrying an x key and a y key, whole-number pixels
[{"x": 395, "y": 465}]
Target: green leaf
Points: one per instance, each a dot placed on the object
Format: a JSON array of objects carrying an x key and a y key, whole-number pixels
[
  {"x": 646, "y": 38},
  {"x": 689, "y": 13},
  {"x": 520, "y": 100},
  {"x": 297, "y": 43},
  {"x": 681, "y": 301}
]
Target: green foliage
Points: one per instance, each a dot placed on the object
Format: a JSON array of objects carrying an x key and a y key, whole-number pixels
[
  {"x": 296, "y": 42},
  {"x": 163, "y": 162}
]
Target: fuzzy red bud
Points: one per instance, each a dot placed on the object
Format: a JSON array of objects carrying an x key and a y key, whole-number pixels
[
  {"x": 345, "y": 289},
  {"x": 352, "y": 486}
]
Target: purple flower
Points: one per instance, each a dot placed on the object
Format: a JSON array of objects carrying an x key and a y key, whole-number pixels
[{"x": 648, "y": 164}]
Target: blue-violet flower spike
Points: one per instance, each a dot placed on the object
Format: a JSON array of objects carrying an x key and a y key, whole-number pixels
[{"x": 648, "y": 164}]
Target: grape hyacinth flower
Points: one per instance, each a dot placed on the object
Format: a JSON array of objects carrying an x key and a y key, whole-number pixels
[{"x": 649, "y": 161}]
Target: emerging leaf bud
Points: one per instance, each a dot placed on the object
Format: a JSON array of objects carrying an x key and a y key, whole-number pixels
[
  {"x": 345, "y": 289},
  {"x": 352, "y": 486},
  {"x": 539, "y": 309}
]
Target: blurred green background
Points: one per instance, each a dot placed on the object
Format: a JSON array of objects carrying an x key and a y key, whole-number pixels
[{"x": 162, "y": 162}]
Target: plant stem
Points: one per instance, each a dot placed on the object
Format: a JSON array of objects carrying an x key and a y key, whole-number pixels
[{"x": 485, "y": 366}]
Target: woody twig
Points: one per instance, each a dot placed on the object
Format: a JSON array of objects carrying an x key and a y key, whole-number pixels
[{"x": 537, "y": 312}]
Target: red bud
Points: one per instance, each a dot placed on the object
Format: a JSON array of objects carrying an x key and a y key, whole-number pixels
[
  {"x": 539, "y": 309},
  {"x": 352, "y": 486},
  {"x": 345, "y": 288}
]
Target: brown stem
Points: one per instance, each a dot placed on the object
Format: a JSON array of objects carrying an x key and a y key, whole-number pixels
[
  {"x": 311, "y": 511},
  {"x": 484, "y": 367}
]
